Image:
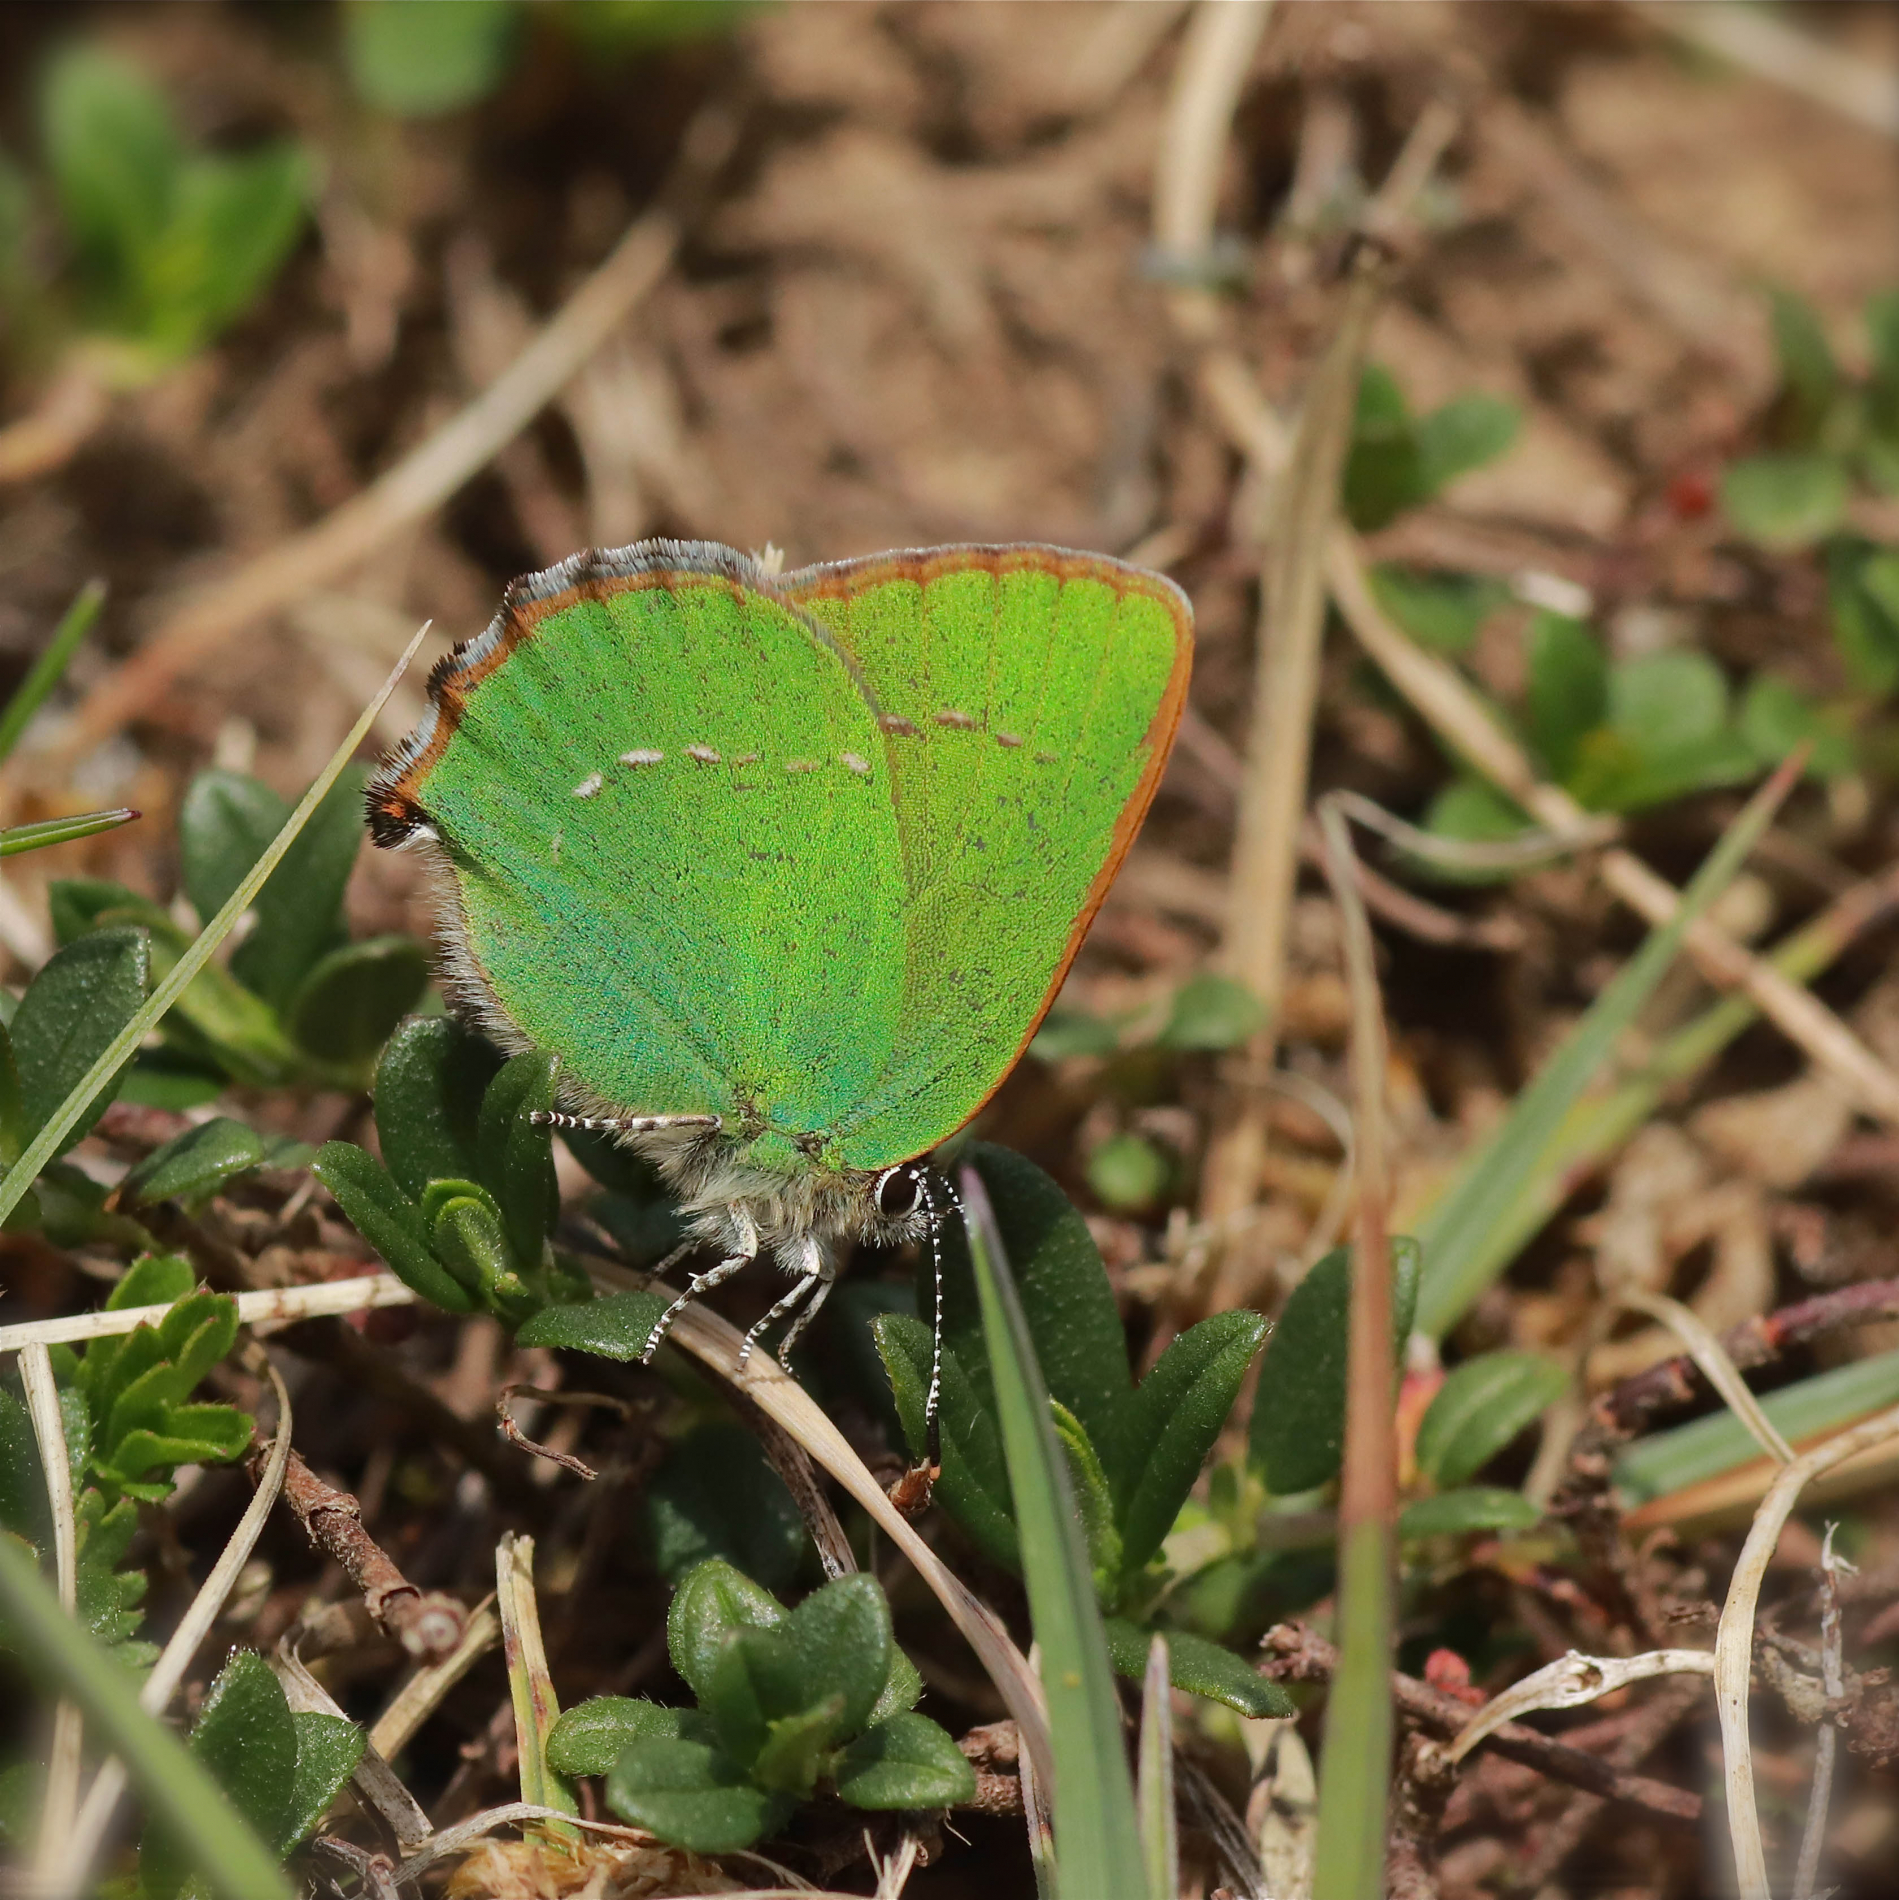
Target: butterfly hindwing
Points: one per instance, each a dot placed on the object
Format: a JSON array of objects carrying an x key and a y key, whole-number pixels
[{"x": 1028, "y": 698}]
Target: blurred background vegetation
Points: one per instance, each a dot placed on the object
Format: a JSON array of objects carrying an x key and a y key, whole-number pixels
[{"x": 320, "y": 321}]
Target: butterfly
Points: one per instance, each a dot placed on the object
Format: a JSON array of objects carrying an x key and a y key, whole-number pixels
[{"x": 786, "y": 868}]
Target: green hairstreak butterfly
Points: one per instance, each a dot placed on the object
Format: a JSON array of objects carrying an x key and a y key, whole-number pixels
[{"x": 786, "y": 868}]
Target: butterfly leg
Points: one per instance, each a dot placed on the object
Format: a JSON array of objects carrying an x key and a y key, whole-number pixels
[
  {"x": 744, "y": 1252},
  {"x": 813, "y": 1282},
  {"x": 620, "y": 1124},
  {"x": 809, "y": 1312}
]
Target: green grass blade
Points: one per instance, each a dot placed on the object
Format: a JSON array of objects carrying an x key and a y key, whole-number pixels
[
  {"x": 1154, "y": 1783},
  {"x": 1708, "y": 1447},
  {"x": 44, "y": 1145},
  {"x": 85, "y": 824},
  {"x": 1599, "y": 1124},
  {"x": 73, "y": 627},
  {"x": 1456, "y": 1233},
  {"x": 228, "y": 1856},
  {"x": 1097, "y": 1844},
  {"x": 1358, "y": 1722}
]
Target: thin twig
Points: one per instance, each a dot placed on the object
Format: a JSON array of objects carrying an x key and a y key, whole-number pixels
[
  {"x": 1294, "y": 1653},
  {"x": 102, "y": 1798},
  {"x": 1754, "y": 1342},
  {"x": 425, "y": 478},
  {"x": 429, "y": 1626},
  {"x": 60, "y": 1802},
  {"x": 504, "y": 1415},
  {"x": 1734, "y": 1638},
  {"x": 1646, "y": 1729}
]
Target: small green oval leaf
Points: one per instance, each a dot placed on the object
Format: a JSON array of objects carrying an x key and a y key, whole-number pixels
[
  {"x": 587, "y": 1740},
  {"x": 693, "y": 1795},
  {"x": 1785, "y": 502},
  {"x": 82, "y": 997},
  {"x": 616, "y": 1326},
  {"x": 1475, "y": 1507},
  {"x": 193, "y": 1166},
  {"x": 353, "y": 998},
  {"x": 429, "y": 1089},
  {"x": 392, "y": 1223},
  {"x": 1481, "y": 1406},
  {"x": 905, "y": 1762},
  {"x": 1178, "y": 1412},
  {"x": 1199, "y": 1666}
]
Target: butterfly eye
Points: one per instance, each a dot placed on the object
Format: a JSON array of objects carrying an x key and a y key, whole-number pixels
[{"x": 897, "y": 1192}]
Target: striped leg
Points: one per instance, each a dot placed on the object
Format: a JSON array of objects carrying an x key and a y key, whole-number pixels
[
  {"x": 803, "y": 1290},
  {"x": 811, "y": 1308},
  {"x": 620, "y": 1124},
  {"x": 745, "y": 1239}
]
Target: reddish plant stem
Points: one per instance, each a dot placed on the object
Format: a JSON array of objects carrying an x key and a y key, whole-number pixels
[{"x": 1755, "y": 1342}]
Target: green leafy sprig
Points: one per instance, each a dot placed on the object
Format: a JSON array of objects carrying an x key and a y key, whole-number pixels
[
  {"x": 790, "y": 1703},
  {"x": 462, "y": 1204}
]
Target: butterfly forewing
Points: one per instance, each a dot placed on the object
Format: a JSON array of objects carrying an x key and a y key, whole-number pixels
[
  {"x": 668, "y": 813},
  {"x": 1028, "y": 699}
]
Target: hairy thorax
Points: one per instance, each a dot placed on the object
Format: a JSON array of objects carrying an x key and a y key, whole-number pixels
[{"x": 722, "y": 1185}]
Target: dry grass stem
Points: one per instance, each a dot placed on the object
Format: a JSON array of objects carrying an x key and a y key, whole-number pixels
[
  {"x": 1573, "y": 1681},
  {"x": 1210, "y": 73},
  {"x": 1773, "y": 48},
  {"x": 1279, "y": 735},
  {"x": 1827, "y": 1738},
  {"x": 1734, "y": 1638},
  {"x": 530, "y": 1682},
  {"x": 274, "y": 1307},
  {"x": 421, "y": 1695},
  {"x": 59, "y": 1802},
  {"x": 1717, "y": 1368}
]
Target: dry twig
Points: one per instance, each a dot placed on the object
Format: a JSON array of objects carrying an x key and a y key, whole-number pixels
[
  {"x": 1295, "y": 1654},
  {"x": 429, "y": 1625}
]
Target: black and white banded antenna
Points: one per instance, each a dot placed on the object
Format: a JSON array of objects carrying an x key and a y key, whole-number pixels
[
  {"x": 932, "y": 1408},
  {"x": 933, "y": 1426}
]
